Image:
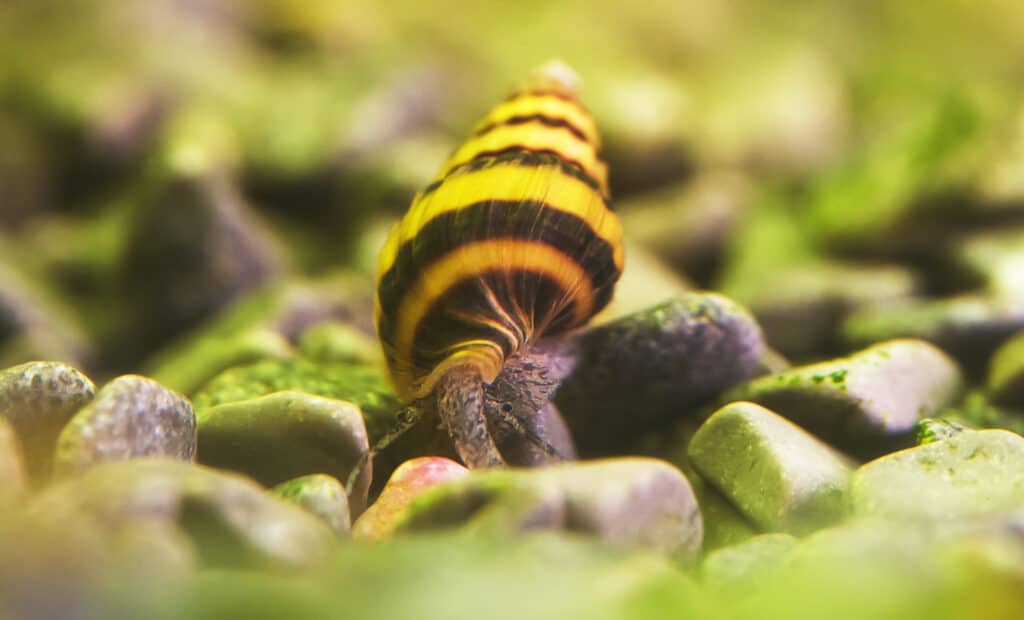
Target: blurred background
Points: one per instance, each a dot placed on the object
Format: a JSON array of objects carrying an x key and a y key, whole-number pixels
[{"x": 849, "y": 170}]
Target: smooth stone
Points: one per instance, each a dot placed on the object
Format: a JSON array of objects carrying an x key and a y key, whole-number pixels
[
  {"x": 321, "y": 495},
  {"x": 968, "y": 327},
  {"x": 724, "y": 525},
  {"x": 285, "y": 435},
  {"x": 38, "y": 399},
  {"x": 747, "y": 560},
  {"x": 677, "y": 355},
  {"x": 623, "y": 502},
  {"x": 972, "y": 472},
  {"x": 999, "y": 258},
  {"x": 1006, "y": 373},
  {"x": 774, "y": 472},
  {"x": 229, "y": 519},
  {"x": 866, "y": 403},
  {"x": 130, "y": 417},
  {"x": 407, "y": 482}
]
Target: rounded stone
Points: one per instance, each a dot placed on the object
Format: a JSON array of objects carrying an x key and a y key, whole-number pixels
[
  {"x": 38, "y": 399},
  {"x": 677, "y": 355},
  {"x": 130, "y": 417},
  {"x": 407, "y": 482},
  {"x": 321, "y": 495},
  {"x": 288, "y": 434}
]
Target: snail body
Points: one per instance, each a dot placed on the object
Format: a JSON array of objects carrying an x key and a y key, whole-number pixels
[{"x": 515, "y": 241}]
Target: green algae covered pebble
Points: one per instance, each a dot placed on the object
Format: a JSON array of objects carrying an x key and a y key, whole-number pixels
[
  {"x": 339, "y": 342},
  {"x": 321, "y": 495},
  {"x": 747, "y": 560},
  {"x": 777, "y": 474},
  {"x": 131, "y": 417},
  {"x": 866, "y": 403},
  {"x": 972, "y": 472},
  {"x": 364, "y": 386},
  {"x": 288, "y": 434}
]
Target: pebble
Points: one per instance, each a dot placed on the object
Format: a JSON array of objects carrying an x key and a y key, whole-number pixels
[
  {"x": 131, "y": 417},
  {"x": 622, "y": 502},
  {"x": 194, "y": 247},
  {"x": 679, "y": 354},
  {"x": 1006, "y": 373},
  {"x": 777, "y": 474},
  {"x": 407, "y": 482},
  {"x": 999, "y": 259},
  {"x": 321, "y": 495},
  {"x": 228, "y": 519},
  {"x": 866, "y": 403},
  {"x": 285, "y": 435},
  {"x": 38, "y": 399},
  {"x": 339, "y": 342},
  {"x": 972, "y": 472}
]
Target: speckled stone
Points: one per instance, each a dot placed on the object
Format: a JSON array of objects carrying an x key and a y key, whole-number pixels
[
  {"x": 285, "y": 435},
  {"x": 229, "y": 519},
  {"x": 322, "y": 496},
  {"x": 777, "y": 474},
  {"x": 38, "y": 399},
  {"x": 866, "y": 403},
  {"x": 407, "y": 482},
  {"x": 972, "y": 472},
  {"x": 623, "y": 502},
  {"x": 678, "y": 355},
  {"x": 130, "y": 417}
]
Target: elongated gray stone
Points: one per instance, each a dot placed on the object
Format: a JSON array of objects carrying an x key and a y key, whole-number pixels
[
  {"x": 867, "y": 403},
  {"x": 969, "y": 473},
  {"x": 38, "y": 399},
  {"x": 777, "y": 474},
  {"x": 285, "y": 435},
  {"x": 624, "y": 502},
  {"x": 130, "y": 417}
]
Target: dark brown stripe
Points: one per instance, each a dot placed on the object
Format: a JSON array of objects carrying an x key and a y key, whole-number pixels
[
  {"x": 493, "y": 220},
  {"x": 571, "y": 164},
  {"x": 547, "y": 121},
  {"x": 519, "y": 156}
]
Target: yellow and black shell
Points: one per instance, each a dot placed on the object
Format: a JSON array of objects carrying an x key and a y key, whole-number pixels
[{"x": 515, "y": 240}]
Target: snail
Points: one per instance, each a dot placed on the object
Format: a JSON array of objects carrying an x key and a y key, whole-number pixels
[{"x": 515, "y": 243}]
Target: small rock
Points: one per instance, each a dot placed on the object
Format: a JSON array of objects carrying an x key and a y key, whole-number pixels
[
  {"x": 1006, "y": 373},
  {"x": 229, "y": 519},
  {"x": 623, "y": 502},
  {"x": 193, "y": 247},
  {"x": 724, "y": 525},
  {"x": 747, "y": 560},
  {"x": 968, "y": 327},
  {"x": 678, "y": 355},
  {"x": 776, "y": 473},
  {"x": 970, "y": 473},
  {"x": 407, "y": 482},
  {"x": 866, "y": 403},
  {"x": 930, "y": 430},
  {"x": 38, "y": 399},
  {"x": 130, "y": 417},
  {"x": 999, "y": 259},
  {"x": 285, "y": 435},
  {"x": 321, "y": 495}
]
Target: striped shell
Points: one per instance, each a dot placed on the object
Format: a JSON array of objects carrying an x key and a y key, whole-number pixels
[{"x": 515, "y": 240}]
